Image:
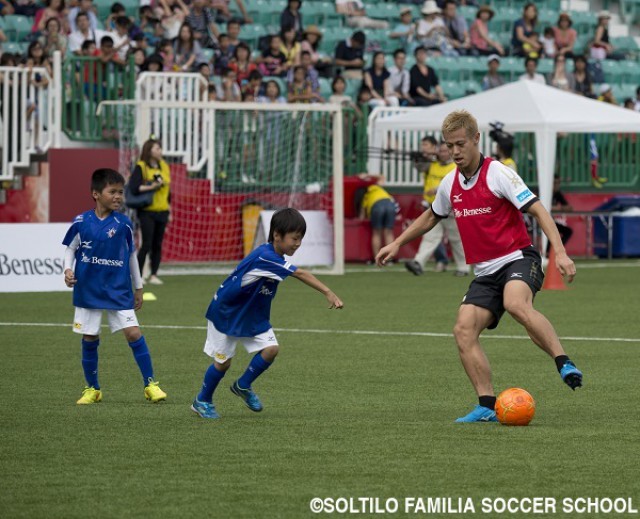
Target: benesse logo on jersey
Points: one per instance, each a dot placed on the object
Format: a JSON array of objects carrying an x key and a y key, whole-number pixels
[
  {"x": 471, "y": 212},
  {"x": 266, "y": 292},
  {"x": 101, "y": 261}
]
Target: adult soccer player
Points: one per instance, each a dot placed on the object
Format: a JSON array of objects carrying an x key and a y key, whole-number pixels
[
  {"x": 241, "y": 307},
  {"x": 100, "y": 241},
  {"x": 486, "y": 199}
]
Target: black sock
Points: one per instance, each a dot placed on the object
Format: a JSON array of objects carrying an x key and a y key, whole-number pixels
[
  {"x": 487, "y": 401},
  {"x": 560, "y": 360}
]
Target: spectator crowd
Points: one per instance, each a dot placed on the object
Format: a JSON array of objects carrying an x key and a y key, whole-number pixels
[{"x": 212, "y": 38}]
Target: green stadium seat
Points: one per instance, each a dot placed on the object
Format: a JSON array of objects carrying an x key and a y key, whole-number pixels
[
  {"x": 512, "y": 67},
  {"x": 132, "y": 7},
  {"x": 546, "y": 18},
  {"x": 384, "y": 11},
  {"x": 545, "y": 66},
  {"x": 612, "y": 71},
  {"x": 17, "y": 27},
  {"x": 353, "y": 86},
  {"x": 503, "y": 20},
  {"x": 630, "y": 71},
  {"x": 103, "y": 7},
  {"x": 630, "y": 11},
  {"x": 207, "y": 54},
  {"x": 624, "y": 91},
  {"x": 468, "y": 12},
  {"x": 14, "y": 47},
  {"x": 584, "y": 22},
  {"x": 472, "y": 68},
  {"x": 251, "y": 33},
  {"x": 582, "y": 43},
  {"x": 626, "y": 44},
  {"x": 453, "y": 89},
  {"x": 325, "y": 87},
  {"x": 447, "y": 68}
]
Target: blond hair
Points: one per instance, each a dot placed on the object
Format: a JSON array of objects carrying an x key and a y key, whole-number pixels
[{"x": 460, "y": 119}]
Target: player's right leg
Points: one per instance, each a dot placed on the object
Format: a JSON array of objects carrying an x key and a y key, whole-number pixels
[
  {"x": 87, "y": 322},
  {"x": 221, "y": 348}
]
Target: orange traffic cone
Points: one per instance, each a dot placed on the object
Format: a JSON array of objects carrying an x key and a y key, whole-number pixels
[{"x": 553, "y": 278}]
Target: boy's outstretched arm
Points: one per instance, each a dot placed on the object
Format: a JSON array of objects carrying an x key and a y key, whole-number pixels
[{"x": 309, "y": 279}]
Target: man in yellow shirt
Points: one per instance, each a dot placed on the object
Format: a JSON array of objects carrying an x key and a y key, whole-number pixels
[
  {"x": 379, "y": 206},
  {"x": 430, "y": 241}
]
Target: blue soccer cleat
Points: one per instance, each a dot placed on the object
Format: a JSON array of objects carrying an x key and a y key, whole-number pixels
[
  {"x": 204, "y": 409},
  {"x": 571, "y": 375},
  {"x": 479, "y": 414},
  {"x": 251, "y": 400}
]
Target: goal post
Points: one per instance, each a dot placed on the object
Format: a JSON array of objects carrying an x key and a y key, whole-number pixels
[{"x": 233, "y": 164}]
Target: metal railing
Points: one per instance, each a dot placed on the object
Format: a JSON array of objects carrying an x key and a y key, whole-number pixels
[
  {"x": 29, "y": 116},
  {"x": 87, "y": 82}
]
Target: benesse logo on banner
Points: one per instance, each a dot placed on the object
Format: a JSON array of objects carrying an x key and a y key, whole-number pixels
[{"x": 31, "y": 257}]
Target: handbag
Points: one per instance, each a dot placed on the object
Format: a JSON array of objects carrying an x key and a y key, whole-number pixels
[{"x": 139, "y": 201}]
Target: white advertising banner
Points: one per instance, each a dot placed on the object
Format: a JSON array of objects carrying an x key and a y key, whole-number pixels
[
  {"x": 317, "y": 244},
  {"x": 31, "y": 257}
]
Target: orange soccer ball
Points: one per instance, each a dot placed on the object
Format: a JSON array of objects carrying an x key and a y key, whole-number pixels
[{"x": 514, "y": 406}]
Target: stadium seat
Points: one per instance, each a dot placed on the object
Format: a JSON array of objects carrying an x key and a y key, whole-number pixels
[
  {"x": 447, "y": 68},
  {"x": 325, "y": 87},
  {"x": 630, "y": 10},
  {"x": 14, "y": 47},
  {"x": 103, "y": 7},
  {"x": 612, "y": 71},
  {"x": 353, "y": 86},
  {"x": 630, "y": 71},
  {"x": 545, "y": 66},
  {"x": 584, "y": 22},
  {"x": 250, "y": 34},
  {"x": 17, "y": 27},
  {"x": 384, "y": 11},
  {"x": 626, "y": 44},
  {"x": 453, "y": 89},
  {"x": 207, "y": 54},
  {"x": 132, "y": 7},
  {"x": 468, "y": 12}
]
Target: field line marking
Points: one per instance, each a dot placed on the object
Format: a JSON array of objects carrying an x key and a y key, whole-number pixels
[{"x": 344, "y": 332}]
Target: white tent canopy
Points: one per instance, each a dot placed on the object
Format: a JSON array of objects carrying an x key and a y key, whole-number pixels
[{"x": 523, "y": 106}]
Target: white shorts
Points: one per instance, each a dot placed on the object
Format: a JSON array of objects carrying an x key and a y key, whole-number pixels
[
  {"x": 87, "y": 321},
  {"x": 223, "y": 347}
]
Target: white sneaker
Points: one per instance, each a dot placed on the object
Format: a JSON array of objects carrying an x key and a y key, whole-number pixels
[{"x": 155, "y": 280}]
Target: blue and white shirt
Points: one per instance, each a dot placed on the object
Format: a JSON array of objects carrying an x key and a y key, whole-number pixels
[
  {"x": 242, "y": 305},
  {"x": 103, "y": 249}
]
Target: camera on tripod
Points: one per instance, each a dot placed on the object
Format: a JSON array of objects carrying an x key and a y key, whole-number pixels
[{"x": 498, "y": 134}]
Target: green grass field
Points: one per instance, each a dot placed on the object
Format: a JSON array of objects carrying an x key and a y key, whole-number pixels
[{"x": 360, "y": 403}]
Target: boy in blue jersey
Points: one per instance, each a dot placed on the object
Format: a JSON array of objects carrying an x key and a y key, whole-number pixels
[
  {"x": 100, "y": 241},
  {"x": 241, "y": 308}
]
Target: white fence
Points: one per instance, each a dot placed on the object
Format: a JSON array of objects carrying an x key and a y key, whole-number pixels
[
  {"x": 181, "y": 132},
  {"x": 30, "y": 115}
]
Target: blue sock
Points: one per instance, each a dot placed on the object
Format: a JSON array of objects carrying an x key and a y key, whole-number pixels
[
  {"x": 212, "y": 378},
  {"x": 90, "y": 362},
  {"x": 143, "y": 358},
  {"x": 256, "y": 367}
]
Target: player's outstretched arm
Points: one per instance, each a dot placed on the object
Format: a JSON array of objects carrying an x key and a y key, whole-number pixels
[
  {"x": 309, "y": 279},
  {"x": 564, "y": 263},
  {"x": 422, "y": 225}
]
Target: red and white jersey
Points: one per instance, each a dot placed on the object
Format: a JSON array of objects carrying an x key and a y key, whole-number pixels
[{"x": 487, "y": 211}]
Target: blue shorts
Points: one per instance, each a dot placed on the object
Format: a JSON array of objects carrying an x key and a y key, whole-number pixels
[{"x": 383, "y": 214}]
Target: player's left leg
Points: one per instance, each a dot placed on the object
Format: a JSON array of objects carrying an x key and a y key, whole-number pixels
[
  {"x": 518, "y": 301},
  {"x": 265, "y": 347},
  {"x": 127, "y": 321}
]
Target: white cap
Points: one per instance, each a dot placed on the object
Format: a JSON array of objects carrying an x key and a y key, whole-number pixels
[
  {"x": 604, "y": 88},
  {"x": 493, "y": 57},
  {"x": 430, "y": 7}
]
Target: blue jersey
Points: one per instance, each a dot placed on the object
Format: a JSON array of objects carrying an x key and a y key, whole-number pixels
[
  {"x": 242, "y": 305},
  {"x": 102, "y": 261}
]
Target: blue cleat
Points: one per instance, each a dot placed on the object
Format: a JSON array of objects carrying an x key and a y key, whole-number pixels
[
  {"x": 250, "y": 399},
  {"x": 571, "y": 375},
  {"x": 479, "y": 414},
  {"x": 204, "y": 409}
]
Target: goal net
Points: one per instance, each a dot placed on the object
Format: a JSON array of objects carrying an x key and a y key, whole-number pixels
[{"x": 232, "y": 166}]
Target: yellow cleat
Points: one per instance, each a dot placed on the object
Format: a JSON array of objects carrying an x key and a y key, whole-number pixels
[
  {"x": 90, "y": 395},
  {"x": 153, "y": 393}
]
